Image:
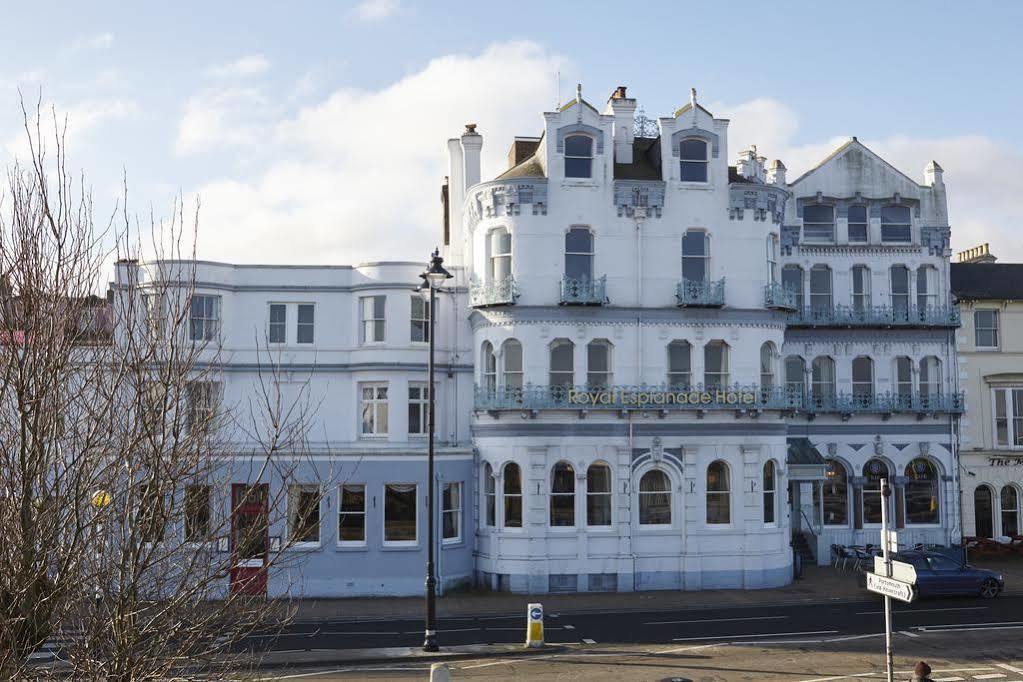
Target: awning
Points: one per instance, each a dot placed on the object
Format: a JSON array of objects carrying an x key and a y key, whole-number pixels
[{"x": 804, "y": 461}]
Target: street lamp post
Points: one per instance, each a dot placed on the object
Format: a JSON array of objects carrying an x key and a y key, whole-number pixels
[{"x": 433, "y": 278}]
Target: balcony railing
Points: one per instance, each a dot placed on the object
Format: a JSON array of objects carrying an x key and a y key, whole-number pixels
[
  {"x": 700, "y": 293},
  {"x": 584, "y": 291},
  {"x": 876, "y": 316},
  {"x": 781, "y": 298},
  {"x": 501, "y": 292},
  {"x": 699, "y": 397}
]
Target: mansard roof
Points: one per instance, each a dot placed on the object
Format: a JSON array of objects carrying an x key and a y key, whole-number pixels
[
  {"x": 853, "y": 144},
  {"x": 987, "y": 281},
  {"x": 646, "y": 161},
  {"x": 530, "y": 168}
]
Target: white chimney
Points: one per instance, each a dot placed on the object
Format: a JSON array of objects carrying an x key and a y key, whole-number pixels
[
  {"x": 933, "y": 174},
  {"x": 624, "y": 110},
  {"x": 456, "y": 195},
  {"x": 472, "y": 145},
  {"x": 776, "y": 173}
]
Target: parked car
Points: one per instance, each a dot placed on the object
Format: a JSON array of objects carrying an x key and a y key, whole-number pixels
[{"x": 938, "y": 575}]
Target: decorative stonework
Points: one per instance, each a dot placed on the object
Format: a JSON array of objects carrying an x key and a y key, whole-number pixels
[
  {"x": 936, "y": 239},
  {"x": 506, "y": 198},
  {"x": 763, "y": 200},
  {"x": 639, "y": 198}
]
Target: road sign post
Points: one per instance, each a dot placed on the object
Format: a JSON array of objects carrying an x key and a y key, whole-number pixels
[
  {"x": 534, "y": 625},
  {"x": 886, "y": 494},
  {"x": 900, "y": 570}
]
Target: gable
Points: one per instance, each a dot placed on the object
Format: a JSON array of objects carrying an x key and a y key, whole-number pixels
[{"x": 852, "y": 169}]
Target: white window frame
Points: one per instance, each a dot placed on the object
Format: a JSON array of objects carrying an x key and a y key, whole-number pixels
[
  {"x": 639, "y": 500},
  {"x": 341, "y": 513},
  {"x": 455, "y": 511},
  {"x": 281, "y": 325},
  {"x": 494, "y": 256},
  {"x": 908, "y": 225},
  {"x": 608, "y": 373},
  {"x": 415, "y": 516},
  {"x": 606, "y": 497},
  {"x": 423, "y": 318},
  {"x": 860, "y": 299},
  {"x": 489, "y": 490},
  {"x": 488, "y": 367},
  {"x": 816, "y": 238},
  {"x": 928, "y": 298},
  {"x": 422, "y": 403},
  {"x": 373, "y": 320},
  {"x": 688, "y": 374},
  {"x": 865, "y": 225},
  {"x": 203, "y": 399},
  {"x": 292, "y": 497},
  {"x": 552, "y": 495},
  {"x": 821, "y": 267},
  {"x": 705, "y": 161},
  {"x": 723, "y": 374},
  {"x": 185, "y": 525},
  {"x": 704, "y": 257},
  {"x": 772, "y": 258},
  {"x": 768, "y": 375},
  {"x": 1002, "y": 510},
  {"x": 1010, "y": 426},
  {"x": 511, "y": 378},
  {"x": 727, "y": 493},
  {"x": 589, "y": 255},
  {"x": 299, "y": 324},
  {"x": 773, "y": 492},
  {"x": 210, "y": 318},
  {"x": 996, "y": 328},
  {"x": 591, "y": 157},
  {"x": 555, "y": 344},
  {"x": 502, "y": 512},
  {"x": 376, "y": 401}
]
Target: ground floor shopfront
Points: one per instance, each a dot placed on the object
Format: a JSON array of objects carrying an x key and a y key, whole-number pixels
[{"x": 992, "y": 494}]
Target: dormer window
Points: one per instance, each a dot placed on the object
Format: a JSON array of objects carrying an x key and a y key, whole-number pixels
[
  {"x": 578, "y": 156},
  {"x": 693, "y": 155},
  {"x": 819, "y": 223},
  {"x": 858, "y": 224},
  {"x": 895, "y": 224}
]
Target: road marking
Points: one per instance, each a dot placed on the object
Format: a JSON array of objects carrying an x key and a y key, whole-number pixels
[
  {"x": 569, "y": 627},
  {"x": 588, "y": 641},
  {"x": 949, "y": 679},
  {"x": 713, "y": 620},
  {"x": 990, "y": 676},
  {"x": 852, "y": 637},
  {"x": 766, "y": 634},
  {"x": 908, "y": 634},
  {"x": 353, "y": 632},
  {"x": 956, "y": 625},
  {"x": 897, "y": 672},
  {"x": 1011, "y": 669},
  {"x": 779, "y": 641},
  {"x": 682, "y": 648},
  {"x": 487, "y": 665},
  {"x": 970, "y": 629},
  {"x": 909, "y": 611}
]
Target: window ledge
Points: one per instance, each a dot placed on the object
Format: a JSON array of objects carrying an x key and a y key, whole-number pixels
[
  {"x": 399, "y": 546},
  {"x": 351, "y": 546},
  {"x": 578, "y": 182},
  {"x": 453, "y": 542},
  {"x": 304, "y": 547}
]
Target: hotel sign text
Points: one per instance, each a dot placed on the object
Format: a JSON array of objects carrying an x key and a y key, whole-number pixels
[{"x": 642, "y": 398}]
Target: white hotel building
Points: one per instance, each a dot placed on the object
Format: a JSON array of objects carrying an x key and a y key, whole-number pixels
[{"x": 655, "y": 370}]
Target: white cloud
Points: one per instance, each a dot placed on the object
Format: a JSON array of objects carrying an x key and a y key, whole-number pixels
[
  {"x": 249, "y": 65},
  {"x": 220, "y": 119},
  {"x": 982, "y": 198},
  {"x": 376, "y": 10},
  {"x": 80, "y": 118},
  {"x": 99, "y": 41},
  {"x": 357, "y": 175}
]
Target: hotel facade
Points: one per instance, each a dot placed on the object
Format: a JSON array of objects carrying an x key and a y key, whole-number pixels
[{"x": 655, "y": 370}]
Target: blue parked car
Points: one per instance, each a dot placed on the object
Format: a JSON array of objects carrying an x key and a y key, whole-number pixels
[{"x": 938, "y": 575}]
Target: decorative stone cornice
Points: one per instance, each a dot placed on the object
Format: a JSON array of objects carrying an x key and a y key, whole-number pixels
[
  {"x": 624, "y": 317},
  {"x": 505, "y": 198},
  {"x": 763, "y": 200},
  {"x": 639, "y": 198}
]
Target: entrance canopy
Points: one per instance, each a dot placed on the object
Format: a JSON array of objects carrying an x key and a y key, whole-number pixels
[{"x": 804, "y": 461}]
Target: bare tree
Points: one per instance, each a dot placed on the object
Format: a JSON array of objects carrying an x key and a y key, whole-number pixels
[{"x": 135, "y": 496}]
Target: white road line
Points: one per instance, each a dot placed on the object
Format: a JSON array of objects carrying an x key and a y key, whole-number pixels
[
  {"x": 906, "y": 612},
  {"x": 990, "y": 676},
  {"x": 487, "y": 665},
  {"x": 713, "y": 620},
  {"x": 852, "y": 637},
  {"x": 683, "y": 648},
  {"x": 971, "y": 629},
  {"x": 897, "y": 672},
  {"x": 588, "y": 641},
  {"x": 353, "y": 632},
  {"x": 1011, "y": 669},
  {"x": 956, "y": 625},
  {"x": 949, "y": 679},
  {"x": 766, "y": 634},
  {"x": 569, "y": 627},
  {"x": 761, "y": 642},
  {"x": 908, "y": 633}
]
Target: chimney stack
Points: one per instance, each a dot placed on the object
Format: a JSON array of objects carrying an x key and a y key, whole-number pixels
[
  {"x": 623, "y": 109},
  {"x": 933, "y": 174},
  {"x": 472, "y": 145},
  {"x": 978, "y": 254},
  {"x": 776, "y": 173}
]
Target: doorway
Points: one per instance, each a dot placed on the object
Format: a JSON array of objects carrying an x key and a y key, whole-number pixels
[
  {"x": 249, "y": 538},
  {"x": 983, "y": 512}
]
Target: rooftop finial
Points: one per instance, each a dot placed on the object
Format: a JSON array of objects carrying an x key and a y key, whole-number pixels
[
  {"x": 692, "y": 97},
  {"x": 578, "y": 92}
]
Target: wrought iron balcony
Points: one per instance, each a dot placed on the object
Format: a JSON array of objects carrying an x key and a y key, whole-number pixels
[
  {"x": 780, "y": 298},
  {"x": 501, "y": 292},
  {"x": 876, "y": 316},
  {"x": 699, "y": 397},
  {"x": 584, "y": 291},
  {"x": 700, "y": 293}
]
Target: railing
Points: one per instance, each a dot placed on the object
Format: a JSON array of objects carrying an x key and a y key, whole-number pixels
[
  {"x": 700, "y": 293},
  {"x": 876, "y": 316},
  {"x": 584, "y": 290},
  {"x": 501, "y": 292},
  {"x": 699, "y": 397},
  {"x": 777, "y": 296}
]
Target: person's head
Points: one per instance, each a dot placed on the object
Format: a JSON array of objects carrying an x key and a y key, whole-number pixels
[{"x": 922, "y": 669}]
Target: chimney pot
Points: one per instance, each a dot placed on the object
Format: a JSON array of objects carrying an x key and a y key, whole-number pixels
[
  {"x": 619, "y": 93},
  {"x": 470, "y": 128}
]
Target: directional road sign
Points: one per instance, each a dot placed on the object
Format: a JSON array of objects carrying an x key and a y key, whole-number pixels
[
  {"x": 896, "y": 589},
  {"x": 900, "y": 570},
  {"x": 890, "y": 538}
]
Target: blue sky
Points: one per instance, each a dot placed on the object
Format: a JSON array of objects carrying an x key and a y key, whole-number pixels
[{"x": 314, "y": 131}]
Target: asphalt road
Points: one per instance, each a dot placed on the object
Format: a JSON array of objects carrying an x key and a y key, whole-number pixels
[{"x": 830, "y": 620}]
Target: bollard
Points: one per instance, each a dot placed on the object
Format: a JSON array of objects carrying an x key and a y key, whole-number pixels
[
  {"x": 439, "y": 672},
  {"x": 534, "y": 625}
]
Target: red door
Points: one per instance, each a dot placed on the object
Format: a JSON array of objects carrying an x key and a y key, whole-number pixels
[{"x": 249, "y": 538}]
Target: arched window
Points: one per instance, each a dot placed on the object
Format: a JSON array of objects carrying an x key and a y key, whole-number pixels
[
  {"x": 767, "y": 366},
  {"x": 983, "y": 510},
  {"x": 895, "y": 224},
  {"x": 578, "y": 156},
  {"x": 863, "y": 380},
  {"x": 500, "y": 257},
  {"x": 562, "y": 372},
  {"x": 818, "y": 223},
  {"x": 512, "y": 496},
  {"x": 654, "y": 499},
  {"x": 579, "y": 253},
  {"x": 860, "y": 288},
  {"x": 680, "y": 372},
  {"x": 715, "y": 365},
  {"x": 769, "y": 489},
  {"x": 488, "y": 362},
  {"x": 930, "y": 379},
  {"x": 921, "y": 492},
  {"x": 598, "y": 495},
  {"x": 873, "y": 471},
  {"x": 489, "y": 495},
  {"x": 718, "y": 497},
  {"x": 1010, "y": 511},
  {"x": 792, "y": 280},
  {"x": 900, "y": 292},
  {"x": 511, "y": 354},
  {"x": 772, "y": 258},
  {"x": 926, "y": 289},
  {"x": 598, "y": 363},
  {"x": 822, "y": 371},
  {"x": 795, "y": 375},
  {"x": 563, "y": 495},
  {"x": 820, "y": 289},
  {"x": 858, "y": 224},
  {"x": 693, "y": 156},
  {"x": 835, "y": 495},
  {"x": 904, "y": 381},
  {"x": 695, "y": 256}
]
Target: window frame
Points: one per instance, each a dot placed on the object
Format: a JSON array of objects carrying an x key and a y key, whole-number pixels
[
  {"x": 898, "y": 306},
  {"x": 693, "y": 258},
  {"x": 281, "y": 325},
  {"x": 830, "y": 294},
  {"x": 342, "y": 513},
  {"x": 798, "y": 291},
  {"x": 682, "y": 344},
  {"x": 861, "y": 299},
  {"x": 604, "y": 497},
  {"x": 864, "y": 224},
  {"x": 608, "y": 356},
  {"x": 422, "y": 322},
  {"x": 422, "y": 404},
  {"x": 589, "y": 256},
  {"x": 935, "y": 483},
  {"x": 293, "y": 499},
  {"x": 818, "y": 225},
  {"x": 488, "y": 367},
  {"x": 415, "y": 516},
  {"x": 641, "y": 495},
  {"x": 376, "y": 401},
  {"x": 210, "y": 319},
  {"x": 1002, "y": 511},
  {"x": 726, "y": 494},
  {"x": 1013, "y": 423},
  {"x": 205, "y": 536},
  {"x": 768, "y": 371},
  {"x": 554, "y": 345},
  {"x": 299, "y": 324},
  {"x": 864, "y": 491},
  {"x": 495, "y": 256},
  {"x": 769, "y": 504},
  {"x": 575, "y": 157},
  {"x": 571, "y": 495},
  {"x": 489, "y": 491},
  {"x": 996, "y": 329},
  {"x": 505, "y": 495},
  {"x": 723, "y": 374},
  {"x": 693, "y": 161},
  {"x": 455, "y": 511},
  {"x": 378, "y": 320},
  {"x": 828, "y": 363},
  {"x": 834, "y": 464},
  {"x": 517, "y": 375},
  {"x": 859, "y": 395},
  {"x": 891, "y": 225}
]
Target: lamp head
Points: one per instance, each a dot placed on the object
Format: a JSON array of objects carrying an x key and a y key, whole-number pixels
[{"x": 435, "y": 275}]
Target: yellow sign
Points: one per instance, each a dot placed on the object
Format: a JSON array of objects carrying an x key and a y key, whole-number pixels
[{"x": 643, "y": 398}]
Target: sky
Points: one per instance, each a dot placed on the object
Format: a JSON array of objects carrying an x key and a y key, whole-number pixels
[{"x": 315, "y": 132}]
